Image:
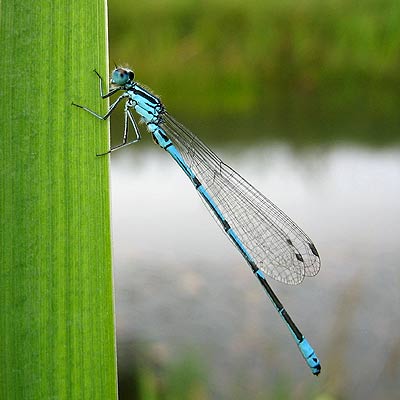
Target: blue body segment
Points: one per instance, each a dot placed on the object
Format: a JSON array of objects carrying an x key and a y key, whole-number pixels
[
  {"x": 270, "y": 242},
  {"x": 309, "y": 355}
]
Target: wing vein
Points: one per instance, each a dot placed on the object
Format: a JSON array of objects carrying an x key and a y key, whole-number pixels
[{"x": 277, "y": 244}]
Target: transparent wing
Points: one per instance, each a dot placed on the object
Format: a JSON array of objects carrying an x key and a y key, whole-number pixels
[{"x": 278, "y": 246}]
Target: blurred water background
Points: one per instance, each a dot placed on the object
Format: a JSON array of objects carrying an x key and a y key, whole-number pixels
[{"x": 302, "y": 98}]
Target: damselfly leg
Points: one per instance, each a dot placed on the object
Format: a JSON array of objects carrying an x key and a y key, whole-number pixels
[{"x": 128, "y": 117}]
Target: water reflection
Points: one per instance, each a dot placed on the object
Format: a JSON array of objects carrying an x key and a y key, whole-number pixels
[{"x": 181, "y": 285}]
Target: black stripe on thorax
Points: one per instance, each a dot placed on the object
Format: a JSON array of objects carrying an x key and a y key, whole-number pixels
[{"x": 146, "y": 94}]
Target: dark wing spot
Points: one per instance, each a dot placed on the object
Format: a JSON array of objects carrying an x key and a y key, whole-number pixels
[{"x": 313, "y": 249}]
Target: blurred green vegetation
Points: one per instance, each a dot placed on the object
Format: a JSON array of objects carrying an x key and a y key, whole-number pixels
[
  {"x": 144, "y": 377},
  {"x": 305, "y": 70}
]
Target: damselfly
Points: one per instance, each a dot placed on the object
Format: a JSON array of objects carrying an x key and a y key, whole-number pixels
[{"x": 270, "y": 242}]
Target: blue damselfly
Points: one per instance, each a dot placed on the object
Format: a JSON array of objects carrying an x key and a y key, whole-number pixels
[{"x": 270, "y": 242}]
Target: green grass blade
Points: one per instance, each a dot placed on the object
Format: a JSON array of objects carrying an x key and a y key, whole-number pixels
[{"x": 57, "y": 338}]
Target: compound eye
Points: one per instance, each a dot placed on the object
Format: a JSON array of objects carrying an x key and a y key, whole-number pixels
[{"x": 121, "y": 76}]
